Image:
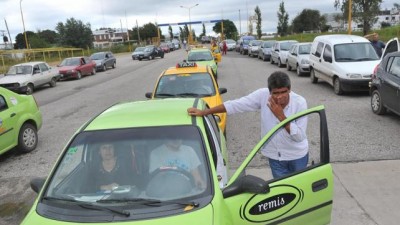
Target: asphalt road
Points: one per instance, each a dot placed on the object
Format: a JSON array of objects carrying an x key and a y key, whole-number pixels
[{"x": 356, "y": 134}]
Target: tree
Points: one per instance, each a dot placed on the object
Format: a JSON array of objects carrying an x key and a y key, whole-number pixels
[
  {"x": 204, "y": 31},
  {"x": 181, "y": 33},
  {"x": 283, "y": 18},
  {"x": 171, "y": 35},
  {"x": 258, "y": 23},
  {"x": 230, "y": 30},
  {"x": 396, "y": 6},
  {"x": 49, "y": 36},
  {"x": 74, "y": 33},
  {"x": 308, "y": 20},
  {"x": 20, "y": 42},
  {"x": 186, "y": 31},
  {"x": 363, "y": 11}
]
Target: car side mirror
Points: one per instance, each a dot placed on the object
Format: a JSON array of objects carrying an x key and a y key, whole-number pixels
[
  {"x": 222, "y": 90},
  {"x": 37, "y": 184},
  {"x": 247, "y": 184}
]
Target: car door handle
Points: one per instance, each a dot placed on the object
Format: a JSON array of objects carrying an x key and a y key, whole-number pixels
[
  {"x": 319, "y": 185},
  {"x": 13, "y": 114}
]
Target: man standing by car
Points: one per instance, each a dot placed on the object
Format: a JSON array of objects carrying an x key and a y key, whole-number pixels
[
  {"x": 275, "y": 104},
  {"x": 376, "y": 43}
]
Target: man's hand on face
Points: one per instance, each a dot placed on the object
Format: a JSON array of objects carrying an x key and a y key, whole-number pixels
[{"x": 276, "y": 109}]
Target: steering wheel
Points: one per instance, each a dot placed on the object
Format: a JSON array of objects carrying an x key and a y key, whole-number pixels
[{"x": 169, "y": 182}]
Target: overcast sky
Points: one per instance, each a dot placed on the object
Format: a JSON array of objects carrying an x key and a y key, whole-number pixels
[{"x": 45, "y": 14}]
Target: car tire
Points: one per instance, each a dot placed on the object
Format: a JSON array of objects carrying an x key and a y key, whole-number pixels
[
  {"x": 104, "y": 67},
  {"x": 288, "y": 67},
  {"x": 150, "y": 57},
  {"x": 79, "y": 75},
  {"x": 264, "y": 59},
  {"x": 53, "y": 82},
  {"x": 114, "y": 65},
  {"x": 29, "y": 89},
  {"x": 337, "y": 86},
  {"x": 314, "y": 79},
  {"x": 162, "y": 56},
  {"x": 27, "y": 138},
  {"x": 299, "y": 73},
  {"x": 271, "y": 61},
  {"x": 377, "y": 103},
  {"x": 279, "y": 63},
  {"x": 93, "y": 71}
]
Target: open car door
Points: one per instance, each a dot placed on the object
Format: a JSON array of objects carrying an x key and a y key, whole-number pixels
[
  {"x": 253, "y": 196},
  {"x": 393, "y": 45}
]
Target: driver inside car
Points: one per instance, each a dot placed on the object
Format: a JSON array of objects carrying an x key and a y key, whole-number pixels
[{"x": 173, "y": 154}]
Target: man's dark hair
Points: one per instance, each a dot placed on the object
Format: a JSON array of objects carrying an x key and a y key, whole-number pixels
[{"x": 278, "y": 79}]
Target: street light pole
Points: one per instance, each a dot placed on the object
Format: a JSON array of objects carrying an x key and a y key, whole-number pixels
[
  {"x": 23, "y": 24},
  {"x": 190, "y": 22}
]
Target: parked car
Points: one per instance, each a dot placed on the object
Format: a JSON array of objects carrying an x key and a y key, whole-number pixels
[
  {"x": 137, "y": 52},
  {"x": 188, "y": 79},
  {"x": 204, "y": 57},
  {"x": 264, "y": 50},
  {"x": 171, "y": 46},
  {"x": 393, "y": 45},
  {"x": 151, "y": 52},
  {"x": 299, "y": 58},
  {"x": 20, "y": 120},
  {"x": 176, "y": 43},
  {"x": 244, "y": 44},
  {"x": 385, "y": 85},
  {"x": 231, "y": 44},
  {"x": 26, "y": 77},
  {"x": 104, "y": 60},
  {"x": 164, "y": 46},
  {"x": 190, "y": 182},
  {"x": 280, "y": 51},
  {"x": 205, "y": 40},
  {"x": 253, "y": 47},
  {"x": 76, "y": 67},
  {"x": 344, "y": 61}
]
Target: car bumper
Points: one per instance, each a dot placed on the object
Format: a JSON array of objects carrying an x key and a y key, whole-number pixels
[
  {"x": 19, "y": 89},
  {"x": 355, "y": 84},
  {"x": 304, "y": 68},
  {"x": 68, "y": 75}
]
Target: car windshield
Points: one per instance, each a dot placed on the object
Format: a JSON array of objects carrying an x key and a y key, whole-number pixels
[
  {"x": 230, "y": 41},
  {"x": 200, "y": 56},
  {"x": 70, "y": 62},
  {"x": 185, "y": 85},
  {"x": 304, "y": 49},
  {"x": 97, "y": 56},
  {"x": 16, "y": 70},
  {"x": 139, "y": 49},
  {"x": 256, "y": 43},
  {"x": 268, "y": 44},
  {"x": 130, "y": 164},
  {"x": 246, "y": 41},
  {"x": 352, "y": 52},
  {"x": 148, "y": 49},
  {"x": 285, "y": 46}
]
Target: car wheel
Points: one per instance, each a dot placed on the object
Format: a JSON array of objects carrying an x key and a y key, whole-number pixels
[
  {"x": 79, "y": 75},
  {"x": 93, "y": 71},
  {"x": 162, "y": 56},
  {"x": 314, "y": 80},
  {"x": 114, "y": 65},
  {"x": 29, "y": 89},
  {"x": 337, "y": 87},
  {"x": 264, "y": 58},
  {"x": 104, "y": 67},
  {"x": 279, "y": 63},
  {"x": 53, "y": 82},
  {"x": 27, "y": 138},
  {"x": 298, "y": 70},
  {"x": 288, "y": 67},
  {"x": 150, "y": 57},
  {"x": 377, "y": 103},
  {"x": 271, "y": 60}
]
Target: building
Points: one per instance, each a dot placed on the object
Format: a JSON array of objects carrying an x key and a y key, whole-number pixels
[{"x": 104, "y": 38}]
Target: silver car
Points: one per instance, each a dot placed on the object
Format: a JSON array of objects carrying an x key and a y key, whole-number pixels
[
  {"x": 264, "y": 50},
  {"x": 253, "y": 47},
  {"x": 25, "y": 77},
  {"x": 299, "y": 58}
]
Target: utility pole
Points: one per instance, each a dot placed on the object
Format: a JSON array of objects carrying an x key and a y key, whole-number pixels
[
  {"x": 137, "y": 29},
  {"x": 349, "y": 20},
  {"x": 240, "y": 24},
  {"x": 9, "y": 36}
]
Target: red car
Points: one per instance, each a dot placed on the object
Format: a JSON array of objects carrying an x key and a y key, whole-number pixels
[
  {"x": 76, "y": 67},
  {"x": 165, "y": 47}
]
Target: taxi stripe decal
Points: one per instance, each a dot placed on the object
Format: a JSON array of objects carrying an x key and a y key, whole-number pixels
[
  {"x": 301, "y": 213},
  {"x": 195, "y": 103}
]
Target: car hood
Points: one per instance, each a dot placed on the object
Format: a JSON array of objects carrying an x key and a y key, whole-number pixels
[
  {"x": 15, "y": 79},
  {"x": 364, "y": 68},
  {"x": 206, "y": 63},
  {"x": 196, "y": 217},
  {"x": 98, "y": 61},
  {"x": 137, "y": 53},
  {"x": 64, "y": 68}
]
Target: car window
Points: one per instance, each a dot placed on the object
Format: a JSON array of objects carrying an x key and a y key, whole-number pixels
[
  {"x": 327, "y": 53},
  {"x": 304, "y": 49},
  {"x": 22, "y": 69},
  {"x": 318, "y": 51},
  {"x": 3, "y": 103},
  {"x": 354, "y": 52},
  {"x": 394, "y": 66},
  {"x": 185, "y": 85},
  {"x": 141, "y": 165},
  {"x": 97, "y": 56},
  {"x": 70, "y": 62},
  {"x": 43, "y": 67},
  {"x": 200, "y": 56},
  {"x": 391, "y": 47}
]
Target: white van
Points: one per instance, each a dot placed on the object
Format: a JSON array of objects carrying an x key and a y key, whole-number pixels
[{"x": 344, "y": 61}]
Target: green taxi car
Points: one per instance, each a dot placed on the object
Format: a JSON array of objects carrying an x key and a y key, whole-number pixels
[
  {"x": 20, "y": 119},
  {"x": 171, "y": 168},
  {"x": 203, "y": 57}
]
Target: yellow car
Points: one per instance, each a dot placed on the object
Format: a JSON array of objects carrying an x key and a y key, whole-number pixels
[
  {"x": 204, "y": 57},
  {"x": 188, "y": 79}
]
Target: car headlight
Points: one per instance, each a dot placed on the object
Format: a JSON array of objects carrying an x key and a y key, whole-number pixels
[
  {"x": 354, "y": 75},
  {"x": 98, "y": 64},
  {"x": 16, "y": 85},
  {"x": 304, "y": 61}
]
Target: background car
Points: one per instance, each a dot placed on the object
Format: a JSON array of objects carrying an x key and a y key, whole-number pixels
[
  {"x": 231, "y": 44},
  {"x": 264, "y": 50},
  {"x": 151, "y": 52},
  {"x": 244, "y": 44},
  {"x": 299, "y": 58},
  {"x": 385, "y": 85},
  {"x": 164, "y": 46},
  {"x": 25, "y": 77},
  {"x": 137, "y": 52},
  {"x": 205, "y": 40},
  {"x": 253, "y": 47},
  {"x": 280, "y": 50},
  {"x": 20, "y": 120},
  {"x": 204, "y": 57},
  {"x": 104, "y": 60},
  {"x": 190, "y": 80},
  {"x": 76, "y": 67}
]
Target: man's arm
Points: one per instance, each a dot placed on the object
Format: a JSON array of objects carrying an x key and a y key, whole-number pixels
[{"x": 197, "y": 112}]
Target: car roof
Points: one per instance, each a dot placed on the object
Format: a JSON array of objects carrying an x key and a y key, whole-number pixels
[
  {"x": 150, "y": 113},
  {"x": 202, "y": 49},
  {"x": 287, "y": 41},
  {"x": 29, "y": 63},
  {"x": 341, "y": 38},
  {"x": 174, "y": 70}
]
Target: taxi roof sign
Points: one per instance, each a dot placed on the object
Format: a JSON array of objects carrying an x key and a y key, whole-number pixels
[{"x": 186, "y": 64}]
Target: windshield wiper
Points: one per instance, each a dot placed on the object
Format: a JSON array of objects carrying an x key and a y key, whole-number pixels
[
  {"x": 164, "y": 94},
  {"x": 87, "y": 205},
  {"x": 148, "y": 201},
  {"x": 365, "y": 59},
  {"x": 344, "y": 59},
  {"x": 188, "y": 94}
]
